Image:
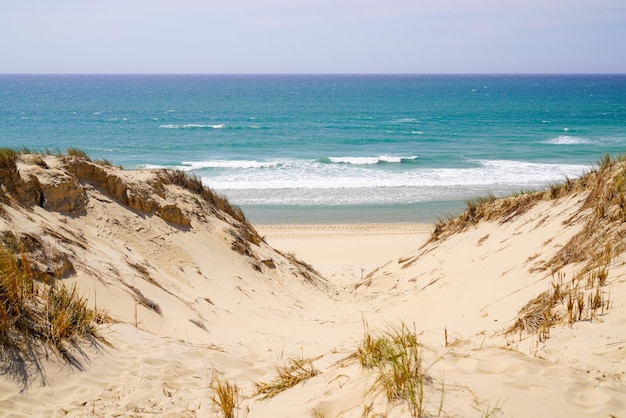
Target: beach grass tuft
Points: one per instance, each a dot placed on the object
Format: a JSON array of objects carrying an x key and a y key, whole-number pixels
[
  {"x": 194, "y": 184},
  {"x": 567, "y": 301},
  {"x": 32, "y": 312},
  {"x": 226, "y": 397},
  {"x": 7, "y": 157},
  {"x": 396, "y": 355},
  {"x": 294, "y": 372},
  {"x": 75, "y": 152}
]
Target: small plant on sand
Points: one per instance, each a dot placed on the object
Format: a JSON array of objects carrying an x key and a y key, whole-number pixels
[
  {"x": 492, "y": 410},
  {"x": 287, "y": 376},
  {"x": 226, "y": 397},
  {"x": 397, "y": 356}
]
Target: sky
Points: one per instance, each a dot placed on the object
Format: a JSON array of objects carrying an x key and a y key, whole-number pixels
[{"x": 313, "y": 36}]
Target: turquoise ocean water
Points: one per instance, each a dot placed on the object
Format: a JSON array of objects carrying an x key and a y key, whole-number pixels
[{"x": 330, "y": 148}]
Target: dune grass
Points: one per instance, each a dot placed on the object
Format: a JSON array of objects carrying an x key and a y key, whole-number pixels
[
  {"x": 194, "y": 184},
  {"x": 602, "y": 214},
  {"x": 397, "y": 357},
  {"x": 507, "y": 208},
  {"x": 33, "y": 313},
  {"x": 583, "y": 298},
  {"x": 226, "y": 398},
  {"x": 600, "y": 241},
  {"x": 295, "y": 371}
]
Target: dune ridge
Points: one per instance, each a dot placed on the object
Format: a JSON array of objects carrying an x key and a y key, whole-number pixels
[{"x": 486, "y": 308}]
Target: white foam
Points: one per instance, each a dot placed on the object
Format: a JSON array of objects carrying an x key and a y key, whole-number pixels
[
  {"x": 314, "y": 175},
  {"x": 192, "y": 126},
  {"x": 371, "y": 160},
  {"x": 567, "y": 140},
  {"x": 313, "y": 182},
  {"x": 354, "y": 160},
  {"x": 233, "y": 164}
]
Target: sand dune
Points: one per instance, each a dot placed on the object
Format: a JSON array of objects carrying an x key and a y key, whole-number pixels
[{"x": 195, "y": 294}]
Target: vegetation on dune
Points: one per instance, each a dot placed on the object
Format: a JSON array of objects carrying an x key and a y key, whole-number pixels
[
  {"x": 603, "y": 217},
  {"x": 601, "y": 220},
  {"x": 287, "y": 376},
  {"x": 396, "y": 355},
  {"x": 226, "y": 398},
  {"x": 583, "y": 298},
  {"x": 195, "y": 185},
  {"x": 602, "y": 214},
  {"x": 7, "y": 157},
  {"x": 34, "y": 314}
]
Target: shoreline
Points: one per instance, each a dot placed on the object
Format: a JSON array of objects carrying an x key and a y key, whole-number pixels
[
  {"x": 366, "y": 214},
  {"x": 342, "y": 229}
]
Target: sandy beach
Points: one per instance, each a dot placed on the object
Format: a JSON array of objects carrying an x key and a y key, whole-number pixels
[
  {"x": 346, "y": 252},
  {"x": 515, "y": 309}
]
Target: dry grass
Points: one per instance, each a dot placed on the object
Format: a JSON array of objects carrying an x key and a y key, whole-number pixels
[
  {"x": 195, "y": 185},
  {"x": 8, "y": 157},
  {"x": 75, "y": 152},
  {"x": 287, "y": 376},
  {"x": 486, "y": 208},
  {"x": 32, "y": 313},
  {"x": 603, "y": 225},
  {"x": 508, "y": 208},
  {"x": 397, "y": 356},
  {"x": 581, "y": 299},
  {"x": 602, "y": 215},
  {"x": 243, "y": 233},
  {"x": 144, "y": 301},
  {"x": 226, "y": 398}
]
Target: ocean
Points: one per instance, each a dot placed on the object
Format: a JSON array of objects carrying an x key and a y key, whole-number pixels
[{"x": 330, "y": 148}]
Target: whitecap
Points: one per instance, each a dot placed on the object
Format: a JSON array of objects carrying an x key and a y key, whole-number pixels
[
  {"x": 354, "y": 160},
  {"x": 192, "y": 126},
  {"x": 371, "y": 160},
  {"x": 567, "y": 140},
  {"x": 232, "y": 164},
  {"x": 304, "y": 175}
]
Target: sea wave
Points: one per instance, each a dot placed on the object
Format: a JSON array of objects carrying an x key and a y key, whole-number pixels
[
  {"x": 514, "y": 175},
  {"x": 382, "y": 159},
  {"x": 192, "y": 126},
  {"x": 311, "y": 182},
  {"x": 567, "y": 140},
  {"x": 232, "y": 164},
  {"x": 217, "y": 164},
  {"x": 333, "y": 185}
]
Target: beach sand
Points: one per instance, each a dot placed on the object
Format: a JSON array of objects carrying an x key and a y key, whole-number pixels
[
  {"x": 347, "y": 252},
  {"x": 195, "y": 297}
]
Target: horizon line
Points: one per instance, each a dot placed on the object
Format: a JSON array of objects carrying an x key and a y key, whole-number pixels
[{"x": 312, "y": 73}]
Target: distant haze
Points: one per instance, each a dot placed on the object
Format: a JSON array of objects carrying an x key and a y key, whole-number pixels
[{"x": 313, "y": 36}]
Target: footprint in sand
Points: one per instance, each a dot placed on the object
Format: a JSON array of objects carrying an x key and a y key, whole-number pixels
[{"x": 586, "y": 395}]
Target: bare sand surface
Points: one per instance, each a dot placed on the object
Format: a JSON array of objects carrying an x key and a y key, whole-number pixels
[{"x": 345, "y": 252}]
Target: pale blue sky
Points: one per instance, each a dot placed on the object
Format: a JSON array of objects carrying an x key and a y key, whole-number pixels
[{"x": 313, "y": 36}]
